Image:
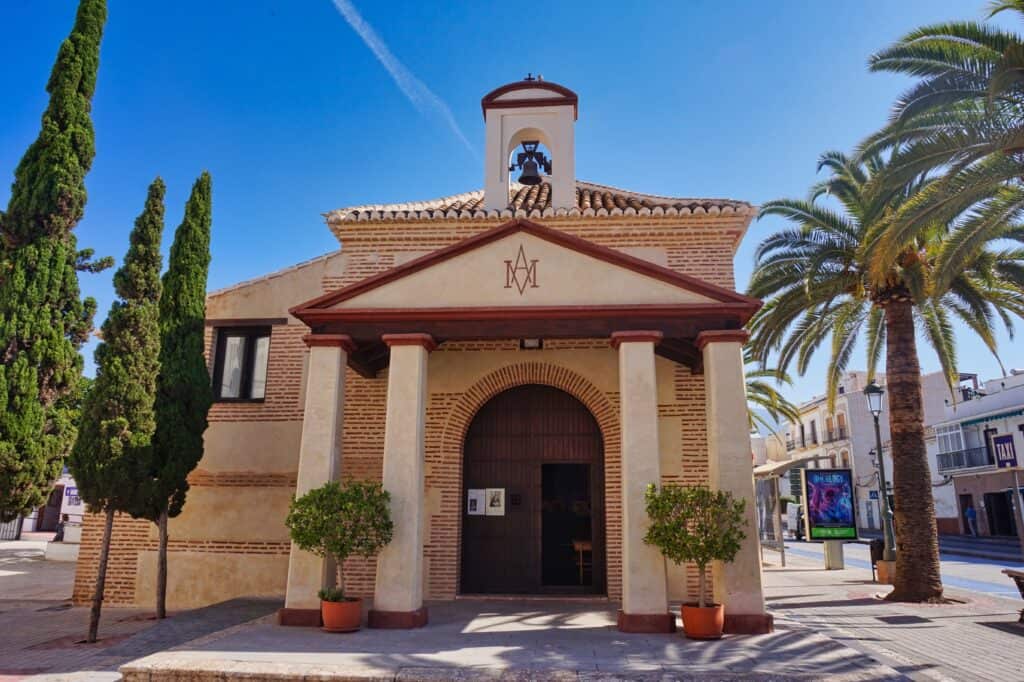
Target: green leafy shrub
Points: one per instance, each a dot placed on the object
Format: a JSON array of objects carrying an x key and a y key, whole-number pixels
[
  {"x": 341, "y": 520},
  {"x": 695, "y": 524},
  {"x": 331, "y": 594}
]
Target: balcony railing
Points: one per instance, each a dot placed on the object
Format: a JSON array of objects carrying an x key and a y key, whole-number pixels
[
  {"x": 970, "y": 458},
  {"x": 837, "y": 434}
]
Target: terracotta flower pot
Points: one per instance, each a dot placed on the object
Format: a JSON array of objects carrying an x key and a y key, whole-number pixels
[
  {"x": 342, "y": 616},
  {"x": 705, "y": 622}
]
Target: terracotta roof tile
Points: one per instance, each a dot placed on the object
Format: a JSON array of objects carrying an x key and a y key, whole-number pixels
[{"x": 535, "y": 201}]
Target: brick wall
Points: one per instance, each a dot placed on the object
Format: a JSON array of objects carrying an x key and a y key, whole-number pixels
[{"x": 701, "y": 246}]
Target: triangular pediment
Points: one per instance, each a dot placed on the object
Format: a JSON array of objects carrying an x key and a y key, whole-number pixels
[{"x": 523, "y": 264}]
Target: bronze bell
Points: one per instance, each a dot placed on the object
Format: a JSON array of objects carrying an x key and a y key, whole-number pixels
[
  {"x": 531, "y": 161},
  {"x": 530, "y": 174}
]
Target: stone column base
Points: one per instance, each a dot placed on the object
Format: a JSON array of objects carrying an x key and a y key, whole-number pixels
[
  {"x": 306, "y": 618},
  {"x": 398, "y": 620},
  {"x": 749, "y": 623},
  {"x": 886, "y": 572},
  {"x": 646, "y": 622}
]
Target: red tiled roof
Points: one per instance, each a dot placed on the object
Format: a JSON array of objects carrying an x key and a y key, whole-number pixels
[{"x": 535, "y": 201}]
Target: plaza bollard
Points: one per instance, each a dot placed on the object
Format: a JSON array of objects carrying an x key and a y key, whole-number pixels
[{"x": 834, "y": 555}]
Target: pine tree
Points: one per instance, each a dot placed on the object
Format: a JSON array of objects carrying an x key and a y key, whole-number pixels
[
  {"x": 184, "y": 394},
  {"x": 43, "y": 321},
  {"x": 118, "y": 419}
]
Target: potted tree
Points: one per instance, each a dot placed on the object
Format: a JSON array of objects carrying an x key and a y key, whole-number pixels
[
  {"x": 698, "y": 525},
  {"x": 338, "y": 521}
]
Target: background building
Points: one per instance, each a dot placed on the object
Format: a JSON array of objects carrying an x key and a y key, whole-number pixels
[
  {"x": 845, "y": 438},
  {"x": 977, "y": 445}
]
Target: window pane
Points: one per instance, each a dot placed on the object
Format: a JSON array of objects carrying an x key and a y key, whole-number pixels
[
  {"x": 231, "y": 377},
  {"x": 259, "y": 367}
]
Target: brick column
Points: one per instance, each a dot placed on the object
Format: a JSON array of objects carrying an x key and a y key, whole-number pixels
[
  {"x": 644, "y": 582},
  {"x": 319, "y": 462},
  {"x": 737, "y": 585},
  {"x": 398, "y": 593}
]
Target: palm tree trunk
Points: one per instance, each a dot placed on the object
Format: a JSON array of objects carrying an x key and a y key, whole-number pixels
[
  {"x": 161, "y": 568},
  {"x": 917, "y": 544},
  {"x": 101, "y": 578}
]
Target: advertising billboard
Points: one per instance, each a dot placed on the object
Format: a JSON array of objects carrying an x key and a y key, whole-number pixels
[{"x": 829, "y": 509}]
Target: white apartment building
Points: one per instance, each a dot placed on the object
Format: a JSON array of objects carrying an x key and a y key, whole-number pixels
[{"x": 977, "y": 448}]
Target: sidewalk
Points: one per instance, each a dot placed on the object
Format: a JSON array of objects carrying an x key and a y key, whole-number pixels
[
  {"x": 43, "y": 633},
  {"x": 978, "y": 639},
  {"x": 829, "y": 624},
  {"x": 508, "y": 640}
]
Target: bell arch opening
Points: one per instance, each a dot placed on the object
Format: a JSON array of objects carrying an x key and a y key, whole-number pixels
[
  {"x": 530, "y": 157},
  {"x": 533, "y": 496}
]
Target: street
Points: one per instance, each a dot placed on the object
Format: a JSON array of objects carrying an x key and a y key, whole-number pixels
[{"x": 973, "y": 574}]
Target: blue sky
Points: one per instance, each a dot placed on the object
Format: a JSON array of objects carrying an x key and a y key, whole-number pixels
[{"x": 294, "y": 115}]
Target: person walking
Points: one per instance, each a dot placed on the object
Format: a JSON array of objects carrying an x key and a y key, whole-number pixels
[
  {"x": 59, "y": 536},
  {"x": 972, "y": 519}
]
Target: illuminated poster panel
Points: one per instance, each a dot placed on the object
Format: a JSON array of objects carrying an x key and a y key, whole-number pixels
[{"x": 829, "y": 507}]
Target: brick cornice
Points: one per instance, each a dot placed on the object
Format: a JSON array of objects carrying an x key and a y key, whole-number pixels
[
  {"x": 425, "y": 340},
  {"x": 639, "y": 336},
  {"x": 722, "y": 335},
  {"x": 343, "y": 341}
]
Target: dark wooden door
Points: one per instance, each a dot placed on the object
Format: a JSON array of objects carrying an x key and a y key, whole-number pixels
[{"x": 508, "y": 442}]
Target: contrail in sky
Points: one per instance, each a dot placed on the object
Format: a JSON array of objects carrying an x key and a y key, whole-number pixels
[{"x": 425, "y": 101}]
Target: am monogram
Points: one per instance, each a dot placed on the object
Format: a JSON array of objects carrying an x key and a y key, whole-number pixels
[{"x": 521, "y": 272}]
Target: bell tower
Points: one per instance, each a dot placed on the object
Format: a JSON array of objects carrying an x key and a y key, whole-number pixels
[{"x": 530, "y": 111}]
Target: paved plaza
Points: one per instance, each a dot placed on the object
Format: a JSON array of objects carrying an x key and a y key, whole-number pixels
[{"x": 829, "y": 625}]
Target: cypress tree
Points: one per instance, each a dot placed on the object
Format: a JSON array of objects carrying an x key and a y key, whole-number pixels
[
  {"x": 43, "y": 321},
  {"x": 118, "y": 419},
  {"x": 184, "y": 394}
]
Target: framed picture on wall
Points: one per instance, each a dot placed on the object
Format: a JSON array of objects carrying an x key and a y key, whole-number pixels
[
  {"x": 495, "y": 501},
  {"x": 475, "y": 498}
]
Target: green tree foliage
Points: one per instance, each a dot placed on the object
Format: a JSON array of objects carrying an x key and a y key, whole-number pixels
[
  {"x": 118, "y": 419},
  {"x": 962, "y": 123},
  {"x": 695, "y": 524},
  {"x": 43, "y": 321},
  {"x": 183, "y": 395},
  {"x": 763, "y": 394},
  {"x": 339, "y": 521},
  {"x": 820, "y": 289}
]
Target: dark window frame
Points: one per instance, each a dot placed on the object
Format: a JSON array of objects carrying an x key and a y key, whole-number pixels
[{"x": 251, "y": 334}]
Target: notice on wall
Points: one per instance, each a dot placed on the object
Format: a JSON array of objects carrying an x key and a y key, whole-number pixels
[
  {"x": 475, "y": 501},
  {"x": 495, "y": 502}
]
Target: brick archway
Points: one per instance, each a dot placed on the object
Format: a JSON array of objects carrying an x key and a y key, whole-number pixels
[{"x": 604, "y": 408}]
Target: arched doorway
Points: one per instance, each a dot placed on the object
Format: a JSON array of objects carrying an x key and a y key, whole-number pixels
[{"x": 541, "y": 448}]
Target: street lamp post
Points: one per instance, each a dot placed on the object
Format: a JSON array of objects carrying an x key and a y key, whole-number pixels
[{"x": 873, "y": 392}]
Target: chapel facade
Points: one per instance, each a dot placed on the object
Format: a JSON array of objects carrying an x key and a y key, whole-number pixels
[{"x": 515, "y": 364}]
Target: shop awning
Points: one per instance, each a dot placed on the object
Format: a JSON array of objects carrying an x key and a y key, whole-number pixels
[
  {"x": 993, "y": 416},
  {"x": 773, "y": 469}
]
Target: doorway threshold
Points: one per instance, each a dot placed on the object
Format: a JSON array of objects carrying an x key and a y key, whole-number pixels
[{"x": 534, "y": 597}]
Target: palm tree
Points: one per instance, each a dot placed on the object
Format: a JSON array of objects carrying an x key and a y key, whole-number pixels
[
  {"x": 818, "y": 284},
  {"x": 963, "y": 121},
  {"x": 763, "y": 394}
]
